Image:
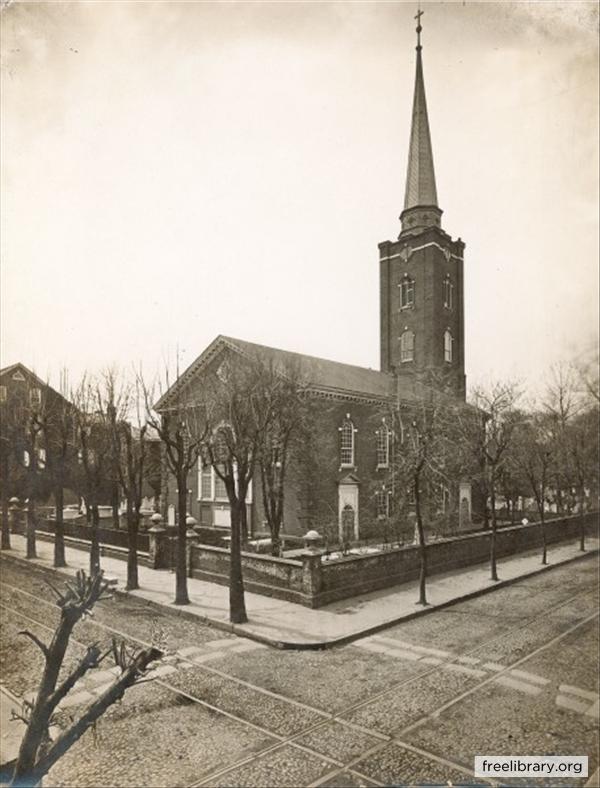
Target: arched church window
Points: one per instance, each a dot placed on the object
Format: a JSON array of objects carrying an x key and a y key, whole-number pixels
[
  {"x": 407, "y": 346},
  {"x": 407, "y": 292},
  {"x": 206, "y": 482},
  {"x": 448, "y": 342},
  {"x": 347, "y": 444},
  {"x": 383, "y": 446},
  {"x": 448, "y": 290},
  {"x": 382, "y": 502},
  {"x": 222, "y": 441}
]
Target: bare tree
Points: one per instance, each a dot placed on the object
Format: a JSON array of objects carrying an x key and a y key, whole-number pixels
[
  {"x": 94, "y": 457},
  {"x": 532, "y": 454},
  {"x": 281, "y": 411},
  {"x": 240, "y": 419},
  {"x": 586, "y": 371},
  {"x": 182, "y": 427},
  {"x": 561, "y": 403},
  {"x": 120, "y": 402},
  {"x": 37, "y": 753},
  {"x": 512, "y": 486},
  {"x": 486, "y": 435},
  {"x": 58, "y": 428},
  {"x": 581, "y": 439},
  {"x": 34, "y": 461},
  {"x": 420, "y": 459}
]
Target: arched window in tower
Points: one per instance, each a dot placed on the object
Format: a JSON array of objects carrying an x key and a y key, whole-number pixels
[
  {"x": 347, "y": 443},
  {"x": 448, "y": 342},
  {"x": 448, "y": 289},
  {"x": 407, "y": 346},
  {"x": 383, "y": 446},
  {"x": 407, "y": 292}
]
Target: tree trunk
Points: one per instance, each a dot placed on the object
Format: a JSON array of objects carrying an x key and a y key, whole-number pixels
[
  {"x": 115, "y": 506},
  {"x": 5, "y": 533},
  {"x": 544, "y": 543},
  {"x": 94, "y": 541},
  {"x": 244, "y": 524},
  {"x": 133, "y": 519},
  {"x": 68, "y": 737},
  {"x": 276, "y": 540},
  {"x": 486, "y": 511},
  {"x": 582, "y": 519},
  {"x": 539, "y": 499},
  {"x": 493, "y": 568},
  {"x": 237, "y": 604},
  {"x": 30, "y": 529},
  {"x": 422, "y": 548},
  {"x": 37, "y": 730},
  {"x": 181, "y": 587},
  {"x": 59, "y": 528}
]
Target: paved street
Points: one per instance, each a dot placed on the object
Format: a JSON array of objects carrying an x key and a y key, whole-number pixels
[{"x": 512, "y": 672}]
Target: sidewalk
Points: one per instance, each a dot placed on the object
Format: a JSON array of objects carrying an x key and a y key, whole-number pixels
[
  {"x": 287, "y": 625},
  {"x": 11, "y": 731}
]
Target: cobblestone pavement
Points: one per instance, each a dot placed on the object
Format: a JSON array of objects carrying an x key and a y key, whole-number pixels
[{"x": 513, "y": 672}]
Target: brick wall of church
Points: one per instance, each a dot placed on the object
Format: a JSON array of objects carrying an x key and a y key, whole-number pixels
[{"x": 316, "y": 468}]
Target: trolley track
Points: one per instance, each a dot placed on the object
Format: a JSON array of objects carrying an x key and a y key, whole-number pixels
[{"x": 327, "y": 717}]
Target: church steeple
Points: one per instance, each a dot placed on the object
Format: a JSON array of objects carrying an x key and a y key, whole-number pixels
[
  {"x": 420, "y": 198},
  {"x": 421, "y": 273}
]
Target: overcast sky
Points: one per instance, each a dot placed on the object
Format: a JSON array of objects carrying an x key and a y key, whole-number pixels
[{"x": 173, "y": 171}]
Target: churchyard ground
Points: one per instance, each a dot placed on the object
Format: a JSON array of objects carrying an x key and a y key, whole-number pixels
[{"x": 512, "y": 672}]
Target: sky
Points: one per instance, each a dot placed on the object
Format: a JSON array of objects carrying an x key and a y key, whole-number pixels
[{"x": 174, "y": 171}]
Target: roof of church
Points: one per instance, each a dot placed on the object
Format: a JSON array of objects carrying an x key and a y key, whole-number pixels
[
  {"x": 323, "y": 373},
  {"x": 420, "y": 175},
  {"x": 318, "y": 373}
]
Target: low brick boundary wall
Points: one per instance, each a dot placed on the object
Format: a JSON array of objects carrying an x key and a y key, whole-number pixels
[
  {"x": 314, "y": 582},
  {"x": 263, "y": 574}
]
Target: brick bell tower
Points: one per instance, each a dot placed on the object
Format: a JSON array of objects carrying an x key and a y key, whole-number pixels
[{"x": 421, "y": 274}]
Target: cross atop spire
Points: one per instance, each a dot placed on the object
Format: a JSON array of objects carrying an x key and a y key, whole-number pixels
[
  {"x": 419, "y": 28},
  {"x": 420, "y": 197}
]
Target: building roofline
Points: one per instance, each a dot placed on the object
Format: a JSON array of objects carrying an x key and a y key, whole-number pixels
[
  {"x": 42, "y": 383},
  {"x": 240, "y": 346}
]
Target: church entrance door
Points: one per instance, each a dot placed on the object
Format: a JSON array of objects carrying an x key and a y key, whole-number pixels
[{"x": 348, "y": 511}]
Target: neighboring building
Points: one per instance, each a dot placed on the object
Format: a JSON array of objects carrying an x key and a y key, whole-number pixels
[
  {"x": 18, "y": 381},
  {"x": 422, "y": 332},
  {"x": 23, "y": 393}
]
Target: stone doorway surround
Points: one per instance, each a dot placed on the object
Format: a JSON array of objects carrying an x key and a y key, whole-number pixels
[
  {"x": 348, "y": 503},
  {"x": 464, "y": 505}
]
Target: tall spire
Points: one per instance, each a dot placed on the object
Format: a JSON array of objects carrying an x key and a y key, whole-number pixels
[{"x": 420, "y": 198}]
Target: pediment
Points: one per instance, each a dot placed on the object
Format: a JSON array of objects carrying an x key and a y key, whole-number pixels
[{"x": 349, "y": 478}]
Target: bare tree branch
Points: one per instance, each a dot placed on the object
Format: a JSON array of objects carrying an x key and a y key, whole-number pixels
[{"x": 42, "y": 646}]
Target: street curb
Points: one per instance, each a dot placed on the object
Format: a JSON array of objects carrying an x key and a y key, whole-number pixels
[
  {"x": 170, "y": 609},
  {"x": 431, "y": 608},
  {"x": 318, "y": 645}
]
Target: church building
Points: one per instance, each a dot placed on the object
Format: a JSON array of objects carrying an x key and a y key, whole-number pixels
[{"x": 421, "y": 332}]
